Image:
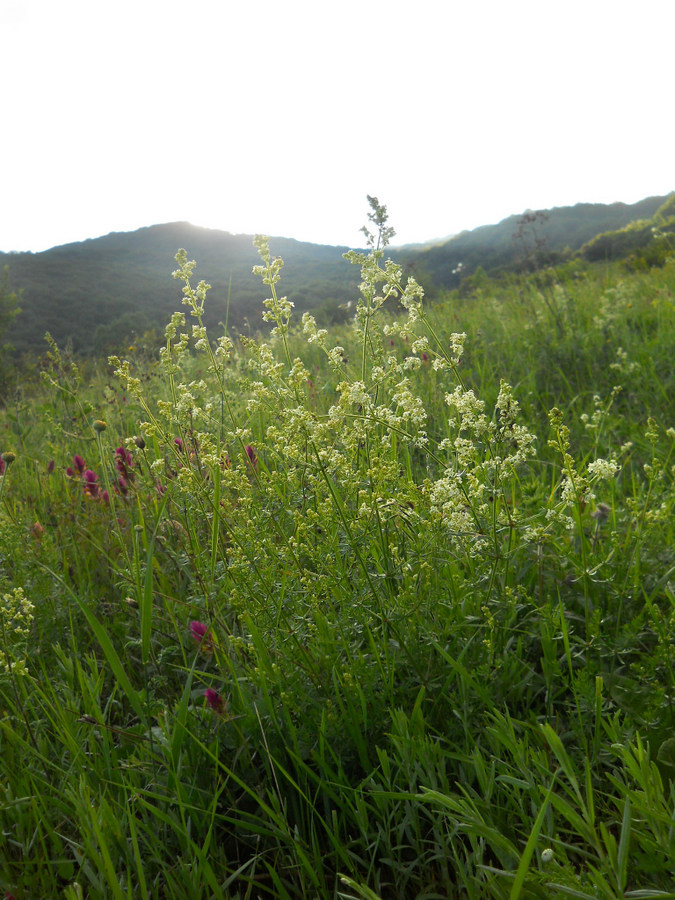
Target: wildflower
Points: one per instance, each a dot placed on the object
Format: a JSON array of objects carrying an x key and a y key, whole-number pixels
[
  {"x": 51, "y": 465},
  {"x": 90, "y": 483},
  {"x": 99, "y": 425},
  {"x": 252, "y": 458},
  {"x": 37, "y": 531},
  {"x": 2, "y": 465},
  {"x": 140, "y": 443},
  {"x": 200, "y": 632},
  {"x": 123, "y": 463},
  {"x": 79, "y": 464},
  {"x": 214, "y": 701},
  {"x": 8, "y": 457},
  {"x": 179, "y": 443},
  {"x": 603, "y": 468},
  {"x": 16, "y": 616}
]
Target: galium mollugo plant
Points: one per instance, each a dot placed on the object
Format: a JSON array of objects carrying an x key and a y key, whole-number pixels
[{"x": 16, "y": 617}]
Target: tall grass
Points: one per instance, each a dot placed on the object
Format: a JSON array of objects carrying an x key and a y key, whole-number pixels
[{"x": 380, "y": 612}]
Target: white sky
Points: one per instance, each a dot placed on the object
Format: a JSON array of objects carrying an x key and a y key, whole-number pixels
[{"x": 279, "y": 117}]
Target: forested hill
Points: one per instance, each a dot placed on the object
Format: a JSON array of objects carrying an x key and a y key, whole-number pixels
[
  {"x": 526, "y": 241},
  {"x": 98, "y": 293}
]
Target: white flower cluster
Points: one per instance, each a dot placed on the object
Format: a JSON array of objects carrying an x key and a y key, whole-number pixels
[
  {"x": 314, "y": 334},
  {"x": 623, "y": 364},
  {"x": 16, "y": 616},
  {"x": 482, "y": 453},
  {"x": 602, "y": 469}
]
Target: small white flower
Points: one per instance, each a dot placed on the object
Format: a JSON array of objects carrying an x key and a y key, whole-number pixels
[{"x": 603, "y": 468}]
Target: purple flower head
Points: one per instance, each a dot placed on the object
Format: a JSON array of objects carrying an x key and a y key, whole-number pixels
[
  {"x": 90, "y": 485},
  {"x": 79, "y": 464},
  {"x": 179, "y": 443},
  {"x": 252, "y": 458},
  {"x": 214, "y": 701},
  {"x": 51, "y": 465},
  {"x": 2, "y": 465},
  {"x": 122, "y": 486},
  {"x": 123, "y": 463},
  {"x": 200, "y": 632}
]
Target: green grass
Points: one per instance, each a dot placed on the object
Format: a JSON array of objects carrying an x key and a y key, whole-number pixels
[{"x": 439, "y": 655}]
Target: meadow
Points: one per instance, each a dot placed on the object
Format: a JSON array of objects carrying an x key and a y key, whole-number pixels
[{"x": 383, "y": 611}]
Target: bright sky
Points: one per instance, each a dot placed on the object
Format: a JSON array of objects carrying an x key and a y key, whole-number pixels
[{"x": 279, "y": 117}]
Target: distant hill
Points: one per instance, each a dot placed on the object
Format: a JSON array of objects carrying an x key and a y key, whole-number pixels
[
  {"x": 525, "y": 241},
  {"x": 98, "y": 293},
  {"x": 636, "y": 242}
]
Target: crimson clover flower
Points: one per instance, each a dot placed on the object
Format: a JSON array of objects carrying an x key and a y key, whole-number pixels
[
  {"x": 200, "y": 632},
  {"x": 252, "y": 458},
  {"x": 214, "y": 701},
  {"x": 123, "y": 463},
  {"x": 90, "y": 483}
]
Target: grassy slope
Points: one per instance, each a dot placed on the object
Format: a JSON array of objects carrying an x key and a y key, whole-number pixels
[{"x": 431, "y": 665}]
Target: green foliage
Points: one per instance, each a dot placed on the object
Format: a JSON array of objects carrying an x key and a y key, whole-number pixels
[
  {"x": 524, "y": 243},
  {"x": 376, "y": 610},
  {"x": 9, "y": 309},
  {"x": 644, "y": 243}
]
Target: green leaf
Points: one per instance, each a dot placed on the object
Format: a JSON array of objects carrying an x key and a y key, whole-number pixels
[
  {"x": 666, "y": 753},
  {"x": 524, "y": 864}
]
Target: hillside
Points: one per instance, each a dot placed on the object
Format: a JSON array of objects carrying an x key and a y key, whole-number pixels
[
  {"x": 384, "y": 612},
  {"x": 99, "y": 293},
  {"x": 524, "y": 241}
]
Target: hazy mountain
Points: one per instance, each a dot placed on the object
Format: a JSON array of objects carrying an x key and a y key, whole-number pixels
[{"x": 97, "y": 293}]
